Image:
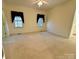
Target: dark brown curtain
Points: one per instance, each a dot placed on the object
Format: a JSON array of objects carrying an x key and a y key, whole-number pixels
[
  {"x": 15, "y": 13},
  {"x": 40, "y": 16}
]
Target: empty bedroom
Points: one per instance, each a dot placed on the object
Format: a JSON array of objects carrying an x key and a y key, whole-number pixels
[{"x": 39, "y": 29}]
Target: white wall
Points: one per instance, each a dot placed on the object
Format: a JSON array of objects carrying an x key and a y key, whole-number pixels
[
  {"x": 30, "y": 19},
  {"x": 60, "y": 18}
]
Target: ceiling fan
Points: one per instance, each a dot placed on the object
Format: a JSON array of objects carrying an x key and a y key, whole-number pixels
[{"x": 40, "y": 2}]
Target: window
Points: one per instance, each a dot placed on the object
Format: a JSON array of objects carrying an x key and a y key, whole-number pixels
[
  {"x": 18, "y": 21},
  {"x": 40, "y": 22}
]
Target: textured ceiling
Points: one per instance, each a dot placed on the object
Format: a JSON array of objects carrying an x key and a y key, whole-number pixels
[{"x": 29, "y": 3}]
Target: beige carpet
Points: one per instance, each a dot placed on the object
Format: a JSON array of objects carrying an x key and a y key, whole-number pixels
[{"x": 39, "y": 46}]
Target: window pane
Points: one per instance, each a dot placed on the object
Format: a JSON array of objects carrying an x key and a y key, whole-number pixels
[
  {"x": 19, "y": 24},
  {"x": 18, "y": 21},
  {"x": 40, "y": 22},
  {"x": 17, "y": 18}
]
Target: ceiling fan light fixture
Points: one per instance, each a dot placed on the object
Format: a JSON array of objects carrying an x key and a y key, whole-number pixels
[{"x": 40, "y": 3}]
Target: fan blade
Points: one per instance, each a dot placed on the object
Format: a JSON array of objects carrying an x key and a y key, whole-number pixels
[
  {"x": 45, "y": 2},
  {"x": 35, "y": 2}
]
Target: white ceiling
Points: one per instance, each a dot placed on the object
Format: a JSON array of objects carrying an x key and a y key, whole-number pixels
[{"x": 29, "y": 3}]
